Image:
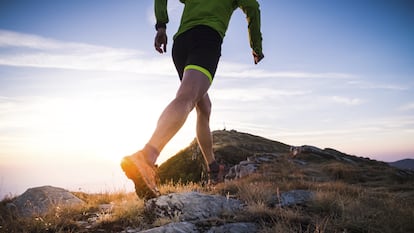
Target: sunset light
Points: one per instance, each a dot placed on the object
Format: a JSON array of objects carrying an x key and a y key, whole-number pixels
[{"x": 81, "y": 85}]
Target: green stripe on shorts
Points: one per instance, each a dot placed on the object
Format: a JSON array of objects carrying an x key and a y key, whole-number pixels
[{"x": 201, "y": 69}]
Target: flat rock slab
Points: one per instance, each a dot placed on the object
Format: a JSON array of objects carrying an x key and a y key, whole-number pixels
[
  {"x": 193, "y": 206},
  {"x": 40, "y": 200}
]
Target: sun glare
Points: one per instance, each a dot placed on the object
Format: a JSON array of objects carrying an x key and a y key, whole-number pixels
[{"x": 103, "y": 127}]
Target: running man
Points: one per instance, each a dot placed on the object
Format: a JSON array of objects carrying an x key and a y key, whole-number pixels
[{"x": 196, "y": 52}]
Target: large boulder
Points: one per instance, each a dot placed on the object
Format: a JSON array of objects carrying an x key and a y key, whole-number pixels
[
  {"x": 194, "y": 212},
  {"x": 38, "y": 201},
  {"x": 192, "y": 206}
]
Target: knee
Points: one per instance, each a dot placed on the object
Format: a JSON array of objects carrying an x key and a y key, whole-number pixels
[
  {"x": 186, "y": 101},
  {"x": 203, "y": 108}
]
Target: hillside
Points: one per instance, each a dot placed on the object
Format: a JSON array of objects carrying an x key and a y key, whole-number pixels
[
  {"x": 230, "y": 148},
  {"x": 353, "y": 194},
  {"x": 343, "y": 193}
]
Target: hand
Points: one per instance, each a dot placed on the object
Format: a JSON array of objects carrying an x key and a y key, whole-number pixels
[
  {"x": 257, "y": 58},
  {"x": 160, "y": 41}
]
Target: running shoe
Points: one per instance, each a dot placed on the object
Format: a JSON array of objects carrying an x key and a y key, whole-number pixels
[
  {"x": 142, "y": 173},
  {"x": 216, "y": 173}
]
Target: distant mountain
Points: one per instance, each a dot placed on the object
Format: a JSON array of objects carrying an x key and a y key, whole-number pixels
[{"x": 407, "y": 164}]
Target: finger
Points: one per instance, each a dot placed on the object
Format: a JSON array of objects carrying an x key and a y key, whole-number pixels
[
  {"x": 158, "y": 46},
  {"x": 261, "y": 58},
  {"x": 257, "y": 58},
  {"x": 158, "y": 49},
  {"x": 165, "y": 43}
]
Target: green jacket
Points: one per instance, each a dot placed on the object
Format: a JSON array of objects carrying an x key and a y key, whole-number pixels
[{"x": 215, "y": 14}]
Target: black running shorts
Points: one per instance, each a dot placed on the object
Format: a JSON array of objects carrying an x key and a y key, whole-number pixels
[{"x": 198, "y": 48}]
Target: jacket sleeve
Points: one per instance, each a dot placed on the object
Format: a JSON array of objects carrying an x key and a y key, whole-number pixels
[
  {"x": 252, "y": 11},
  {"x": 161, "y": 15}
]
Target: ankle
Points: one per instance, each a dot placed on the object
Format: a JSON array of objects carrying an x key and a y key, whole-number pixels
[
  {"x": 151, "y": 153},
  {"x": 214, "y": 167}
]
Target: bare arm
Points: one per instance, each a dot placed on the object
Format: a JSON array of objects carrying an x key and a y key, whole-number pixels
[
  {"x": 252, "y": 11},
  {"x": 160, "y": 41},
  {"x": 161, "y": 15}
]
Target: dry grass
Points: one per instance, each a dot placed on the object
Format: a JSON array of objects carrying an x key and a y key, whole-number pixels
[
  {"x": 342, "y": 203},
  {"x": 337, "y": 207},
  {"x": 179, "y": 187},
  {"x": 102, "y": 211}
]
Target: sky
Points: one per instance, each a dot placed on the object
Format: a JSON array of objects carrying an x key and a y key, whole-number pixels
[{"x": 81, "y": 84}]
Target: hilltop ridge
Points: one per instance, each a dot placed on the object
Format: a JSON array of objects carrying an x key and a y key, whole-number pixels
[{"x": 232, "y": 147}]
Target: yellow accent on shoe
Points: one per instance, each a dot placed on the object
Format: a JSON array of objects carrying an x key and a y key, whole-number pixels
[{"x": 201, "y": 69}]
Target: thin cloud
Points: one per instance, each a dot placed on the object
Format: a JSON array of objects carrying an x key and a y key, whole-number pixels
[
  {"x": 346, "y": 100},
  {"x": 235, "y": 70},
  {"x": 254, "y": 94},
  {"x": 385, "y": 86},
  {"x": 15, "y": 39},
  {"x": 257, "y": 73},
  {"x": 9, "y": 105},
  {"x": 407, "y": 107},
  {"x": 28, "y": 50}
]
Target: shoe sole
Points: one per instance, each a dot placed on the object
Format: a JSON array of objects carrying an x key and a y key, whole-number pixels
[{"x": 142, "y": 188}]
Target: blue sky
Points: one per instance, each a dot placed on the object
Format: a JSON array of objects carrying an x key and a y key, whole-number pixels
[{"x": 81, "y": 84}]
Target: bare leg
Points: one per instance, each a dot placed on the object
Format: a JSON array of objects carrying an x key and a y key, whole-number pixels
[
  {"x": 139, "y": 167},
  {"x": 193, "y": 88},
  {"x": 204, "y": 138}
]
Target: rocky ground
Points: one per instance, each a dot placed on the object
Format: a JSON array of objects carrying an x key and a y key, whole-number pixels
[{"x": 269, "y": 187}]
